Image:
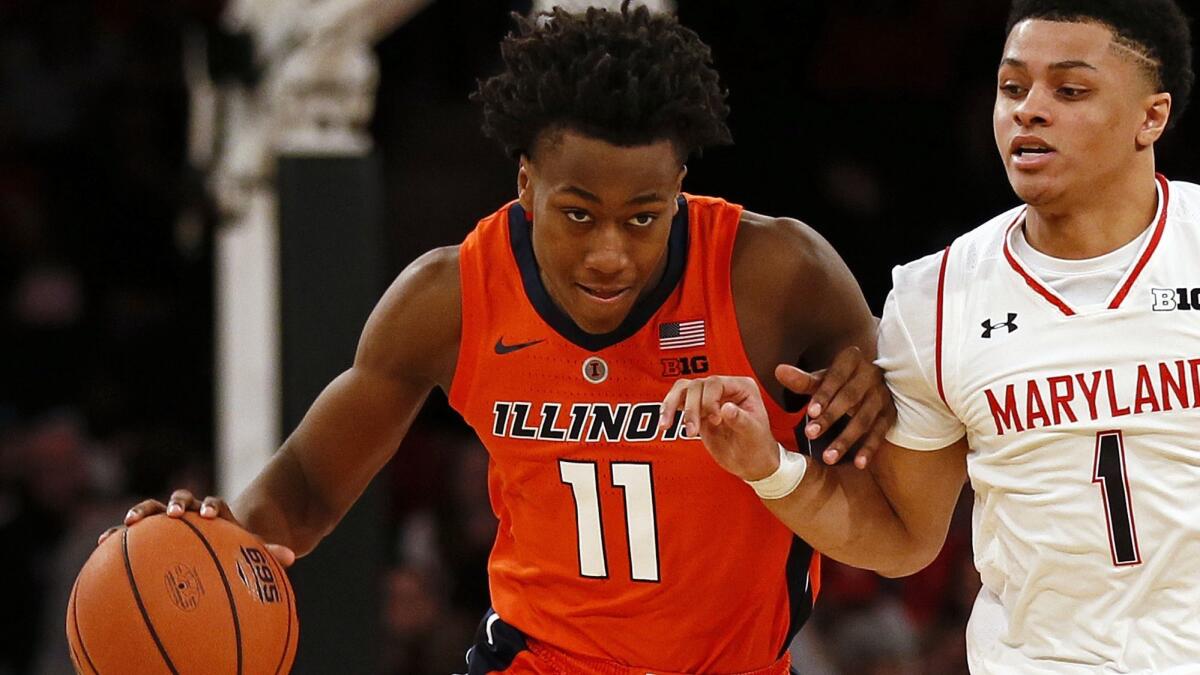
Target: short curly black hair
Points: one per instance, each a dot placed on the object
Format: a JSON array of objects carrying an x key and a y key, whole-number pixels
[
  {"x": 628, "y": 77},
  {"x": 1157, "y": 29}
]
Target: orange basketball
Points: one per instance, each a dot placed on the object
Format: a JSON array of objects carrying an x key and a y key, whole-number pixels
[{"x": 182, "y": 596}]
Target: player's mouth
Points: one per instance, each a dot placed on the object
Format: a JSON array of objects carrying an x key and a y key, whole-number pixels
[
  {"x": 1031, "y": 152},
  {"x": 604, "y": 294}
]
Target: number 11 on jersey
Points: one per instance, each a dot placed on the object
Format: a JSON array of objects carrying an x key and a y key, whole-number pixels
[{"x": 634, "y": 479}]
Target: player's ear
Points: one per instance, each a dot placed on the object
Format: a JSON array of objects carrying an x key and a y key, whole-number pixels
[
  {"x": 525, "y": 184},
  {"x": 1158, "y": 113},
  {"x": 679, "y": 187}
]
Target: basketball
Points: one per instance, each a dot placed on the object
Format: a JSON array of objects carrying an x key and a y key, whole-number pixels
[{"x": 189, "y": 596}]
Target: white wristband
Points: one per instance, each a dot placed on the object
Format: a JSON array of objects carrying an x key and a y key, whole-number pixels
[{"x": 792, "y": 467}]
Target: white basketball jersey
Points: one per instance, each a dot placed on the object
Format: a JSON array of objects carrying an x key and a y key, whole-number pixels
[{"x": 1084, "y": 429}]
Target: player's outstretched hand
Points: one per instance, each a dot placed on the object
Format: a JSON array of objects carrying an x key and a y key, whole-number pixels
[
  {"x": 852, "y": 386},
  {"x": 729, "y": 416},
  {"x": 182, "y": 501}
]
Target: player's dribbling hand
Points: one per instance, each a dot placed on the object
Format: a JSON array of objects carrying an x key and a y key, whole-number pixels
[
  {"x": 852, "y": 386},
  {"x": 728, "y": 415},
  {"x": 182, "y": 501}
]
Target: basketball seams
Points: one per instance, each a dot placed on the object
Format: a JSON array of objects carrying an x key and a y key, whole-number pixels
[
  {"x": 73, "y": 630},
  {"x": 79, "y": 635},
  {"x": 237, "y": 627},
  {"x": 75, "y": 662},
  {"x": 97, "y": 601},
  {"x": 137, "y": 596},
  {"x": 287, "y": 592}
]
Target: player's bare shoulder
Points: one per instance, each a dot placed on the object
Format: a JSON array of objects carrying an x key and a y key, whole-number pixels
[
  {"x": 791, "y": 250},
  {"x": 787, "y": 279},
  {"x": 787, "y": 262},
  {"x": 414, "y": 330}
]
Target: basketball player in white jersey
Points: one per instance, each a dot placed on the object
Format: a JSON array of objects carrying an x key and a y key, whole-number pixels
[{"x": 1053, "y": 355}]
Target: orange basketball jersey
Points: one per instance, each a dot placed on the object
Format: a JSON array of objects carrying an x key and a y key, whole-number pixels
[{"x": 617, "y": 540}]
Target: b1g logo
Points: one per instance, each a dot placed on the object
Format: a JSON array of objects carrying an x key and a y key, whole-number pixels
[
  {"x": 684, "y": 365},
  {"x": 256, "y": 574},
  {"x": 1171, "y": 299}
]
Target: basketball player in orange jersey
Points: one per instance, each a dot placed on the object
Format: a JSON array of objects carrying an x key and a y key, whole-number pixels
[
  {"x": 556, "y": 328},
  {"x": 1051, "y": 354}
]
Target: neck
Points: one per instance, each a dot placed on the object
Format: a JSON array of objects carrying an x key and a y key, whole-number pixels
[{"x": 1102, "y": 220}]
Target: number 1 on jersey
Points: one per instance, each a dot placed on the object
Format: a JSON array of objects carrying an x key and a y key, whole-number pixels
[
  {"x": 635, "y": 481},
  {"x": 1109, "y": 471}
]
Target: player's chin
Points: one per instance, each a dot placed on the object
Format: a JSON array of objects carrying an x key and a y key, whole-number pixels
[
  {"x": 597, "y": 318},
  {"x": 600, "y": 323},
  {"x": 1034, "y": 188}
]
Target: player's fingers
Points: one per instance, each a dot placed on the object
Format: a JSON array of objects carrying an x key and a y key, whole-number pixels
[
  {"x": 691, "y": 407},
  {"x": 181, "y": 500},
  {"x": 873, "y": 442},
  {"x": 671, "y": 402},
  {"x": 107, "y": 533},
  {"x": 731, "y": 414},
  {"x": 283, "y": 554},
  {"x": 846, "y": 401},
  {"x": 738, "y": 420},
  {"x": 215, "y": 507},
  {"x": 888, "y": 414},
  {"x": 143, "y": 509},
  {"x": 841, "y": 378},
  {"x": 796, "y": 380},
  {"x": 712, "y": 395},
  {"x": 858, "y": 426}
]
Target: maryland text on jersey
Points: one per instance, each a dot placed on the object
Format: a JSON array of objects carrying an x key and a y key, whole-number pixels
[
  {"x": 584, "y": 422},
  {"x": 1051, "y": 401}
]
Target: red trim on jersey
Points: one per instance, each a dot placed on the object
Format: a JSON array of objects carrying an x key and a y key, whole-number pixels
[
  {"x": 814, "y": 575},
  {"x": 1031, "y": 280},
  {"x": 1126, "y": 286},
  {"x": 1158, "y": 230},
  {"x": 938, "y": 346}
]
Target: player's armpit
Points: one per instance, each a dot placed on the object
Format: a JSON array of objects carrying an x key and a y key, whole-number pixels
[
  {"x": 819, "y": 320},
  {"x": 892, "y": 518}
]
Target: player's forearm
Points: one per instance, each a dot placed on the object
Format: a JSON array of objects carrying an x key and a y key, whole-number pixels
[
  {"x": 280, "y": 506},
  {"x": 347, "y": 436},
  {"x": 842, "y": 512}
]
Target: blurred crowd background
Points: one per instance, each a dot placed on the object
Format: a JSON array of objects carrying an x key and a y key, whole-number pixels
[{"x": 868, "y": 119}]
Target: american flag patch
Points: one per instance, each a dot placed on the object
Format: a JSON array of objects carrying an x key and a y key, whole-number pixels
[{"x": 681, "y": 335}]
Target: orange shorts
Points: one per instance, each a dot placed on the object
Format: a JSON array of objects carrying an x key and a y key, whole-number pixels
[{"x": 542, "y": 659}]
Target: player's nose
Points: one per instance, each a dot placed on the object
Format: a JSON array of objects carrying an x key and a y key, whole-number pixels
[
  {"x": 607, "y": 250},
  {"x": 1034, "y": 109}
]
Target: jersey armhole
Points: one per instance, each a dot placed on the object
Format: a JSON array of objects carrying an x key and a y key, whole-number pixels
[
  {"x": 938, "y": 348},
  {"x": 921, "y": 337},
  {"x": 783, "y": 422},
  {"x": 468, "y": 340}
]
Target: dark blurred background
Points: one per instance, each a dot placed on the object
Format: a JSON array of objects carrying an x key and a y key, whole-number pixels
[{"x": 868, "y": 119}]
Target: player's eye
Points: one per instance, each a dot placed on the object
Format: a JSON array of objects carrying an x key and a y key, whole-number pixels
[
  {"x": 1071, "y": 92},
  {"x": 1012, "y": 90},
  {"x": 577, "y": 216},
  {"x": 643, "y": 219}
]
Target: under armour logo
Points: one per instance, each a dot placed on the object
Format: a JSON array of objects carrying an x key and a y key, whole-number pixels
[{"x": 1011, "y": 325}]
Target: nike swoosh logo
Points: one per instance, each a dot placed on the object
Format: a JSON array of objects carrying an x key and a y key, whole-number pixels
[{"x": 502, "y": 348}]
